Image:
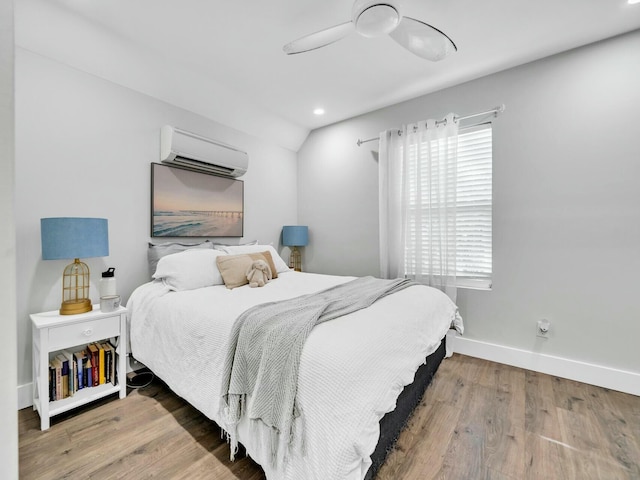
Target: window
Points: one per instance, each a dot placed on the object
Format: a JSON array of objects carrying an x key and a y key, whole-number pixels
[
  {"x": 473, "y": 207},
  {"x": 473, "y": 203}
]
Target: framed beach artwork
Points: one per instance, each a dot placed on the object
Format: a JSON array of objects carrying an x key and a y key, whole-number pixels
[{"x": 185, "y": 203}]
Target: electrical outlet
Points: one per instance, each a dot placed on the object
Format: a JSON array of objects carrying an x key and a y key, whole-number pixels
[{"x": 543, "y": 328}]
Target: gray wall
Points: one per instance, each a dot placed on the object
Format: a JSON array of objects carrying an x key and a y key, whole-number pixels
[
  {"x": 83, "y": 148},
  {"x": 8, "y": 403},
  {"x": 566, "y": 201}
]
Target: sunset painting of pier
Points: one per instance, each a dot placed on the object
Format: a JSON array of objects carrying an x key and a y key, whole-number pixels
[{"x": 185, "y": 203}]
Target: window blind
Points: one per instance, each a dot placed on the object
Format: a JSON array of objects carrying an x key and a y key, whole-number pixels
[
  {"x": 474, "y": 206},
  {"x": 473, "y": 229}
]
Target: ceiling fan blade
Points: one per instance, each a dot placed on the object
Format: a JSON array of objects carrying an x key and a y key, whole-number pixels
[
  {"x": 319, "y": 39},
  {"x": 423, "y": 40}
]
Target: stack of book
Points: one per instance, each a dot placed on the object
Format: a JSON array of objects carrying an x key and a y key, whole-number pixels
[{"x": 92, "y": 366}]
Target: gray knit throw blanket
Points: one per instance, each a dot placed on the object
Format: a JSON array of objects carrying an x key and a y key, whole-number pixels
[{"x": 265, "y": 345}]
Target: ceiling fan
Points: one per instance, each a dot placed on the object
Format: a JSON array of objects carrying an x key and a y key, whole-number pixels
[{"x": 374, "y": 18}]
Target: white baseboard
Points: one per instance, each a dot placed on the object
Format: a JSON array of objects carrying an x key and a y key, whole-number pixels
[
  {"x": 25, "y": 395},
  {"x": 620, "y": 380},
  {"x": 606, "y": 377}
]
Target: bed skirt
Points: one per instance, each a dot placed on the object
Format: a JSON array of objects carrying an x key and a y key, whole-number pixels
[{"x": 393, "y": 422}]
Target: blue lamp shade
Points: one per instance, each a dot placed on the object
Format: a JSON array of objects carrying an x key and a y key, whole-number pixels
[
  {"x": 70, "y": 237},
  {"x": 295, "y": 235}
]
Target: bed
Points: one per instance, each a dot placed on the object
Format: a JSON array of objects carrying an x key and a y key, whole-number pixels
[{"x": 353, "y": 369}]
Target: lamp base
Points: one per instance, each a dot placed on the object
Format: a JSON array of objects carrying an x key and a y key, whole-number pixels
[
  {"x": 295, "y": 259},
  {"x": 73, "y": 307}
]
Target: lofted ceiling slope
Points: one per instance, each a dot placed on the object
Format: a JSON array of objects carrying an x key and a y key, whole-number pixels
[{"x": 224, "y": 60}]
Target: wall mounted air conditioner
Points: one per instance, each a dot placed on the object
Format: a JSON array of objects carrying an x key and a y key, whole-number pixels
[{"x": 190, "y": 150}]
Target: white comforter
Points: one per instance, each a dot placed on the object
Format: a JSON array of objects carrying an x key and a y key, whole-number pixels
[{"x": 352, "y": 369}]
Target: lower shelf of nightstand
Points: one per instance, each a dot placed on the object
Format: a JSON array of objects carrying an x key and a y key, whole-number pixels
[{"x": 81, "y": 397}]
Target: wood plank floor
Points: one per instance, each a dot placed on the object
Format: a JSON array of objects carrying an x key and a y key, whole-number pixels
[{"x": 478, "y": 420}]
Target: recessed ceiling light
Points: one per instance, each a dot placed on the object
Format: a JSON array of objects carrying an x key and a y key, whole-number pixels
[
  {"x": 632, "y": 2},
  {"x": 320, "y": 111}
]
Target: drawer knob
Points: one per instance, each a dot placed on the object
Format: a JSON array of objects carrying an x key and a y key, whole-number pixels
[{"x": 88, "y": 332}]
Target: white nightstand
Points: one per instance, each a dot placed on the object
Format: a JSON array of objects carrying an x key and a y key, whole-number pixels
[{"x": 52, "y": 332}]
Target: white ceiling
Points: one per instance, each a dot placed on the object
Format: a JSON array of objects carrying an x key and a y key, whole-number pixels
[{"x": 224, "y": 59}]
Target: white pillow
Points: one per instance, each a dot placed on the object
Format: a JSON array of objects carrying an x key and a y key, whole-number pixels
[
  {"x": 156, "y": 252},
  {"x": 281, "y": 265},
  {"x": 221, "y": 246},
  {"x": 190, "y": 269}
]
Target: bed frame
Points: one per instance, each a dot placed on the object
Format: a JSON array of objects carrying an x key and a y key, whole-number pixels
[{"x": 393, "y": 422}]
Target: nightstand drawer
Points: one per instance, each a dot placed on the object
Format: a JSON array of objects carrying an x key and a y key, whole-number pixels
[{"x": 83, "y": 333}]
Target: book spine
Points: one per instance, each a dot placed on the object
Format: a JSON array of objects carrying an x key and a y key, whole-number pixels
[
  {"x": 111, "y": 365},
  {"x": 95, "y": 366},
  {"x": 114, "y": 368},
  {"x": 101, "y": 376},
  {"x": 65, "y": 380},
  {"x": 72, "y": 372},
  {"x": 58, "y": 382},
  {"x": 108, "y": 362},
  {"x": 89, "y": 372},
  {"x": 78, "y": 358},
  {"x": 80, "y": 376},
  {"x": 52, "y": 382},
  {"x": 72, "y": 382},
  {"x": 64, "y": 373},
  {"x": 74, "y": 362}
]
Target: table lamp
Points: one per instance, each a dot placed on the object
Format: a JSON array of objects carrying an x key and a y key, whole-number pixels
[
  {"x": 295, "y": 236},
  {"x": 67, "y": 238}
]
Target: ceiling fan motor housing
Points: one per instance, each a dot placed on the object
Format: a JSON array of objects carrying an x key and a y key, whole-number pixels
[{"x": 374, "y": 18}]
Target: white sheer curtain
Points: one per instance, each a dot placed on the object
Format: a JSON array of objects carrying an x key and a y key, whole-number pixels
[{"x": 417, "y": 192}]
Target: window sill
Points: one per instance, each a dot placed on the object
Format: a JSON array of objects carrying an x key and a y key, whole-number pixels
[
  {"x": 464, "y": 282},
  {"x": 474, "y": 283}
]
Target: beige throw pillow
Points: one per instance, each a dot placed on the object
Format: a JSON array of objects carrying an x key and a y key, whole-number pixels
[{"x": 233, "y": 268}]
